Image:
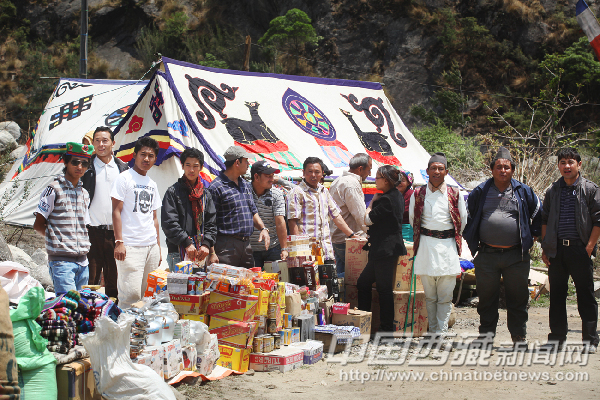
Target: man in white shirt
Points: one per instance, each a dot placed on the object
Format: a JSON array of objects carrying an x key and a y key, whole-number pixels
[
  {"x": 438, "y": 215},
  {"x": 135, "y": 199},
  {"x": 347, "y": 193},
  {"x": 98, "y": 181}
]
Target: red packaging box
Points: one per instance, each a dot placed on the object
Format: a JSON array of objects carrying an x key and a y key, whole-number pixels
[{"x": 340, "y": 308}]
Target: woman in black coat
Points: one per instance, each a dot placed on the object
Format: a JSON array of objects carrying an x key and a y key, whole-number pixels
[{"x": 385, "y": 245}]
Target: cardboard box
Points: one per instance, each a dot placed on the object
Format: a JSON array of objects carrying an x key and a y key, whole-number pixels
[
  {"x": 190, "y": 356},
  {"x": 358, "y": 318},
  {"x": 313, "y": 351},
  {"x": 189, "y": 304},
  {"x": 156, "y": 359},
  {"x": 234, "y": 358},
  {"x": 182, "y": 331},
  {"x": 154, "y": 277},
  {"x": 403, "y": 312},
  {"x": 279, "y": 267},
  {"x": 351, "y": 295},
  {"x": 404, "y": 271},
  {"x": 75, "y": 381},
  {"x": 232, "y": 306},
  {"x": 356, "y": 260},
  {"x": 202, "y": 317},
  {"x": 233, "y": 333},
  {"x": 262, "y": 306},
  {"x": 206, "y": 361},
  {"x": 284, "y": 359},
  {"x": 172, "y": 358}
]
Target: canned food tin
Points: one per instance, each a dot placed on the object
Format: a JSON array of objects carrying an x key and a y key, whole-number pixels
[
  {"x": 287, "y": 320},
  {"x": 266, "y": 344},
  {"x": 272, "y": 310},
  {"x": 288, "y": 336},
  {"x": 281, "y": 337},
  {"x": 271, "y": 343},
  {"x": 257, "y": 345},
  {"x": 271, "y": 325},
  {"x": 191, "y": 286},
  {"x": 277, "y": 340}
]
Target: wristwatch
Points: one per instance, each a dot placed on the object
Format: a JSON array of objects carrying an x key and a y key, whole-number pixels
[
  {"x": 265, "y": 229},
  {"x": 352, "y": 234}
]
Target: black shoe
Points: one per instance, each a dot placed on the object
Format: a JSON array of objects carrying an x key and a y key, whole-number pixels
[{"x": 519, "y": 342}]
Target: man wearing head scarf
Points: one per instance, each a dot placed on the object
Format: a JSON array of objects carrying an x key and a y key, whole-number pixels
[
  {"x": 438, "y": 215},
  {"x": 504, "y": 219}
]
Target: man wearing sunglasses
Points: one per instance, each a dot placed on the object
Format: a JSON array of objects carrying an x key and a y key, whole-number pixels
[{"x": 62, "y": 216}]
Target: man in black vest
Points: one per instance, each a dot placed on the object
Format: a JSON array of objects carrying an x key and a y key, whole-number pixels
[{"x": 98, "y": 181}]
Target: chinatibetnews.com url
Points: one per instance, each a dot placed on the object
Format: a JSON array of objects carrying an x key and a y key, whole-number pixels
[{"x": 450, "y": 375}]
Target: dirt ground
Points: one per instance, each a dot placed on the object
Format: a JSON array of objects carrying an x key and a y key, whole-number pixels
[{"x": 328, "y": 379}]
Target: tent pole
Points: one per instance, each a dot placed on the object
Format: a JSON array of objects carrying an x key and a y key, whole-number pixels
[{"x": 84, "y": 42}]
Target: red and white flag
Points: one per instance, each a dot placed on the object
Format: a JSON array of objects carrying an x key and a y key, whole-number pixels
[{"x": 589, "y": 24}]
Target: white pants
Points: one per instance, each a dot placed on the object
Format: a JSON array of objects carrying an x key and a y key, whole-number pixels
[
  {"x": 438, "y": 296},
  {"x": 133, "y": 272}
]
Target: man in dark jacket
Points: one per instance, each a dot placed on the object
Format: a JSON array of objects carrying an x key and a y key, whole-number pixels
[
  {"x": 188, "y": 216},
  {"x": 570, "y": 231},
  {"x": 98, "y": 181},
  {"x": 504, "y": 217}
]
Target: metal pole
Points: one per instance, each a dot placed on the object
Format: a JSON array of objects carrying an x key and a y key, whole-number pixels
[{"x": 84, "y": 42}]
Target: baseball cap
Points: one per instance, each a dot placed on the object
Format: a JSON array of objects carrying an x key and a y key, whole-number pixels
[
  {"x": 263, "y": 167},
  {"x": 234, "y": 152}
]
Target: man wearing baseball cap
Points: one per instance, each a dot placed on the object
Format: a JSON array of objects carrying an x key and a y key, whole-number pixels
[
  {"x": 237, "y": 216},
  {"x": 61, "y": 216},
  {"x": 270, "y": 203}
]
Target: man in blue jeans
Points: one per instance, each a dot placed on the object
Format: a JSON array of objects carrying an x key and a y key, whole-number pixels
[
  {"x": 61, "y": 216},
  {"x": 271, "y": 208}
]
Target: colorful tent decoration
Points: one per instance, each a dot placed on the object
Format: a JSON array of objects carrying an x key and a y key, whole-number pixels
[
  {"x": 588, "y": 22},
  {"x": 75, "y": 107}
]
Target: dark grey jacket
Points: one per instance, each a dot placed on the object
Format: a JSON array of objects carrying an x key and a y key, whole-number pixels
[
  {"x": 587, "y": 210},
  {"x": 89, "y": 178},
  {"x": 177, "y": 221}
]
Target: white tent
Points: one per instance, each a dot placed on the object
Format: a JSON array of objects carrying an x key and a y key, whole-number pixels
[
  {"x": 281, "y": 118},
  {"x": 76, "y": 107}
]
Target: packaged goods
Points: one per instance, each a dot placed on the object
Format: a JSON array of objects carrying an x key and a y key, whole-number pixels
[
  {"x": 295, "y": 335},
  {"x": 262, "y": 305},
  {"x": 313, "y": 351},
  {"x": 415, "y": 321},
  {"x": 257, "y": 345},
  {"x": 177, "y": 283},
  {"x": 75, "y": 381},
  {"x": 287, "y": 320},
  {"x": 193, "y": 317},
  {"x": 189, "y": 304},
  {"x": 284, "y": 360},
  {"x": 234, "y": 358},
  {"x": 281, "y": 294},
  {"x": 293, "y": 304},
  {"x": 172, "y": 359},
  {"x": 190, "y": 357},
  {"x": 183, "y": 267},
  {"x": 233, "y": 333},
  {"x": 306, "y": 325},
  {"x": 337, "y": 337},
  {"x": 232, "y": 306},
  {"x": 154, "y": 278},
  {"x": 358, "y": 318},
  {"x": 404, "y": 272},
  {"x": 261, "y": 321},
  {"x": 356, "y": 260},
  {"x": 182, "y": 332},
  {"x": 327, "y": 271},
  {"x": 277, "y": 340},
  {"x": 327, "y": 307},
  {"x": 156, "y": 358},
  {"x": 271, "y": 325},
  {"x": 340, "y": 308},
  {"x": 278, "y": 267},
  {"x": 272, "y": 310},
  {"x": 206, "y": 360}
]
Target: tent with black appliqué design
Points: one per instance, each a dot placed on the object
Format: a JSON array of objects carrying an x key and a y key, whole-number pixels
[
  {"x": 280, "y": 118},
  {"x": 76, "y": 106}
]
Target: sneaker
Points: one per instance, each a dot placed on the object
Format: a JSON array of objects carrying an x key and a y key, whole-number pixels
[{"x": 590, "y": 349}]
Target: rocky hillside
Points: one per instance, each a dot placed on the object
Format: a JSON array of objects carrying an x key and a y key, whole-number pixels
[{"x": 494, "y": 47}]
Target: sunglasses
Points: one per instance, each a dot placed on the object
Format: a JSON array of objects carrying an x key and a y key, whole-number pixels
[{"x": 83, "y": 163}]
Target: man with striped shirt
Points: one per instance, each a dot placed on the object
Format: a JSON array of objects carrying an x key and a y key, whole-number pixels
[
  {"x": 271, "y": 208},
  {"x": 61, "y": 216},
  {"x": 311, "y": 207}
]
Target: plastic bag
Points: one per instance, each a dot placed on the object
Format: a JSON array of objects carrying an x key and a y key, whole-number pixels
[
  {"x": 199, "y": 335},
  {"x": 39, "y": 384},
  {"x": 117, "y": 377},
  {"x": 16, "y": 280},
  {"x": 30, "y": 346}
]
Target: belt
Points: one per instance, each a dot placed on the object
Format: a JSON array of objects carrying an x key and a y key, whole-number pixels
[
  {"x": 490, "y": 249},
  {"x": 571, "y": 242},
  {"x": 447, "y": 234},
  {"x": 238, "y": 237},
  {"x": 103, "y": 227}
]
